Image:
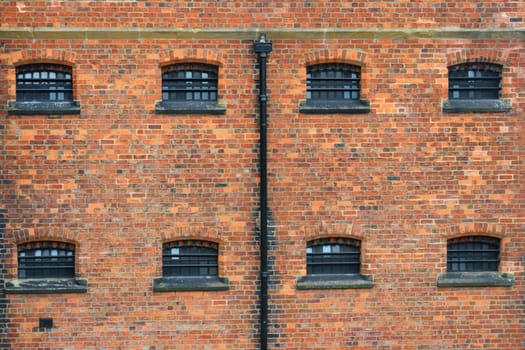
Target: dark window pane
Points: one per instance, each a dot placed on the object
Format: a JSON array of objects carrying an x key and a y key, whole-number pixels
[
  {"x": 189, "y": 82},
  {"x": 46, "y": 260},
  {"x": 475, "y": 80},
  {"x": 473, "y": 253},
  {"x": 190, "y": 258},
  {"x": 333, "y": 82},
  {"x": 333, "y": 256},
  {"x": 36, "y": 81}
]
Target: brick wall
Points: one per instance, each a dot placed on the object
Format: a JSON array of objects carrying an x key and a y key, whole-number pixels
[
  {"x": 263, "y": 14},
  {"x": 403, "y": 178},
  {"x": 4, "y": 336},
  {"x": 119, "y": 180}
]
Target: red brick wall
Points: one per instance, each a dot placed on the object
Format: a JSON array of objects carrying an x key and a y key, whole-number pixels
[
  {"x": 403, "y": 178},
  {"x": 263, "y": 14},
  {"x": 119, "y": 180}
]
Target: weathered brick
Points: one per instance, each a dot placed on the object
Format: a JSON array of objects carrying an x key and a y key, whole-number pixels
[{"x": 119, "y": 180}]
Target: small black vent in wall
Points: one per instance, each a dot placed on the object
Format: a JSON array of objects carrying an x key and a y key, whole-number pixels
[{"x": 45, "y": 324}]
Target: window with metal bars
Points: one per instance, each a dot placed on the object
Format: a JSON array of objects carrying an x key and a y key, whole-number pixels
[
  {"x": 473, "y": 254},
  {"x": 189, "y": 82},
  {"x": 46, "y": 260},
  {"x": 333, "y": 256},
  {"x": 44, "y": 82},
  {"x": 190, "y": 258},
  {"x": 474, "y": 81},
  {"x": 334, "y": 82}
]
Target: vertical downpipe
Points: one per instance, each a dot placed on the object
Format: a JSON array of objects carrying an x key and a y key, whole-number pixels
[{"x": 262, "y": 48}]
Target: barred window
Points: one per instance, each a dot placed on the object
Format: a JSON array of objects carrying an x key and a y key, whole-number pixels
[
  {"x": 44, "y": 82},
  {"x": 473, "y": 253},
  {"x": 189, "y": 82},
  {"x": 190, "y": 258},
  {"x": 333, "y": 82},
  {"x": 474, "y": 81},
  {"x": 46, "y": 260},
  {"x": 333, "y": 256}
]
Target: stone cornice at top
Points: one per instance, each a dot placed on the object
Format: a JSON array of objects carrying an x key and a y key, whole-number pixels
[{"x": 45, "y": 33}]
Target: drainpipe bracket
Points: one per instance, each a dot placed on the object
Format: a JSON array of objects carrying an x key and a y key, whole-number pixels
[{"x": 262, "y": 48}]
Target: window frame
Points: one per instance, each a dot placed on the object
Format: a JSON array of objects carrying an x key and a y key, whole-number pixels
[
  {"x": 473, "y": 253},
  {"x": 471, "y": 262},
  {"x": 321, "y": 254},
  {"x": 42, "y": 251},
  {"x": 41, "y": 73},
  {"x": 349, "y": 99},
  {"x": 344, "y": 274},
  {"x": 172, "y": 84},
  {"x": 469, "y": 78},
  {"x": 193, "y": 256},
  {"x": 50, "y": 281},
  {"x": 475, "y": 74},
  {"x": 331, "y": 79},
  {"x": 209, "y": 280}
]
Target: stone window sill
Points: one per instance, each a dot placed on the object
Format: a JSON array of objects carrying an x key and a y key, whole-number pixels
[
  {"x": 477, "y": 106},
  {"x": 475, "y": 279},
  {"x": 46, "y": 286},
  {"x": 43, "y": 108},
  {"x": 335, "y": 281},
  {"x": 190, "y": 283},
  {"x": 190, "y": 107},
  {"x": 342, "y": 107}
]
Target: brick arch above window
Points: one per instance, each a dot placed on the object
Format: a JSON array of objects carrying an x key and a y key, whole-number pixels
[
  {"x": 39, "y": 234},
  {"x": 193, "y": 232},
  {"x": 328, "y": 230},
  {"x": 477, "y": 55},
  {"x": 355, "y": 57},
  {"x": 212, "y": 57},
  {"x": 42, "y": 55},
  {"x": 477, "y": 228}
]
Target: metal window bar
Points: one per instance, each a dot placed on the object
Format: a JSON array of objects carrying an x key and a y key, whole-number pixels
[
  {"x": 333, "y": 82},
  {"x": 475, "y": 81},
  {"x": 190, "y": 82},
  {"x": 333, "y": 256},
  {"x": 190, "y": 258},
  {"x": 44, "y": 82},
  {"x": 470, "y": 254},
  {"x": 46, "y": 260}
]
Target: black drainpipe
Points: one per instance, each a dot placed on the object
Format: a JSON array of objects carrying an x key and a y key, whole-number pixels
[{"x": 262, "y": 48}]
